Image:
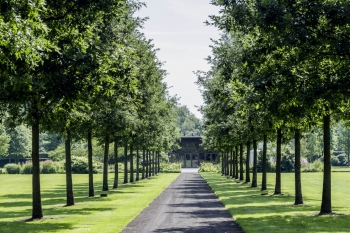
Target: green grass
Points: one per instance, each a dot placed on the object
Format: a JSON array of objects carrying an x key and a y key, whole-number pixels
[
  {"x": 107, "y": 214},
  {"x": 340, "y": 169},
  {"x": 267, "y": 213}
]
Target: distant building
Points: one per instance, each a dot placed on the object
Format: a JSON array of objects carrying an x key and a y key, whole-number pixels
[{"x": 192, "y": 153}]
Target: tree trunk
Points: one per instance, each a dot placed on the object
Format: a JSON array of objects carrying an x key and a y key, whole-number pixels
[
  {"x": 326, "y": 206},
  {"x": 241, "y": 172},
  {"x": 227, "y": 164},
  {"x": 153, "y": 169},
  {"x": 158, "y": 161},
  {"x": 233, "y": 164},
  {"x": 150, "y": 163},
  {"x": 236, "y": 162},
  {"x": 255, "y": 165},
  {"x": 91, "y": 176},
  {"x": 69, "y": 181},
  {"x": 247, "y": 164},
  {"x": 147, "y": 162},
  {"x": 264, "y": 162},
  {"x": 143, "y": 162},
  {"x": 126, "y": 163},
  {"x": 116, "y": 167},
  {"x": 36, "y": 194},
  {"x": 131, "y": 164},
  {"x": 105, "y": 164},
  {"x": 297, "y": 167},
  {"x": 137, "y": 165},
  {"x": 222, "y": 164},
  {"x": 278, "y": 163}
]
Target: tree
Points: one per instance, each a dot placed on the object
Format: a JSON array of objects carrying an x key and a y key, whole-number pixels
[{"x": 4, "y": 140}]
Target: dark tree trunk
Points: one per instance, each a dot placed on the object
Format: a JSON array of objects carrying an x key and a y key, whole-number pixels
[
  {"x": 137, "y": 165},
  {"x": 233, "y": 166},
  {"x": 150, "y": 163},
  {"x": 37, "y": 211},
  {"x": 131, "y": 164},
  {"x": 153, "y": 163},
  {"x": 241, "y": 172},
  {"x": 69, "y": 181},
  {"x": 227, "y": 164},
  {"x": 105, "y": 164},
  {"x": 264, "y": 162},
  {"x": 143, "y": 162},
  {"x": 91, "y": 175},
  {"x": 126, "y": 163},
  {"x": 278, "y": 163},
  {"x": 236, "y": 162},
  {"x": 116, "y": 167},
  {"x": 247, "y": 164},
  {"x": 222, "y": 164},
  {"x": 326, "y": 206},
  {"x": 255, "y": 165},
  {"x": 297, "y": 167},
  {"x": 147, "y": 162}
]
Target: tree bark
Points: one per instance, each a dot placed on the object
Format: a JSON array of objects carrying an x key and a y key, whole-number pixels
[
  {"x": 158, "y": 161},
  {"x": 227, "y": 164},
  {"x": 143, "y": 162},
  {"x": 126, "y": 163},
  {"x": 222, "y": 164},
  {"x": 153, "y": 163},
  {"x": 241, "y": 172},
  {"x": 264, "y": 162},
  {"x": 131, "y": 164},
  {"x": 91, "y": 175},
  {"x": 69, "y": 181},
  {"x": 233, "y": 166},
  {"x": 278, "y": 163},
  {"x": 255, "y": 165},
  {"x": 150, "y": 163},
  {"x": 137, "y": 165},
  {"x": 147, "y": 162},
  {"x": 236, "y": 162},
  {"x": 297, "y": 167},
  {"x": 326, "y": 206},
  {"x": 37, "y": 211},
  {"x": 247, "y": 164},
  {"x": 105, "y": 164},
  {"x": 116, "y": 167}
]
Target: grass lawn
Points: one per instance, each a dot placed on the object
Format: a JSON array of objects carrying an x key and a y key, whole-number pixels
[
  {"x": 267, "y": 213},
  {"x": 107, "y": 214}
]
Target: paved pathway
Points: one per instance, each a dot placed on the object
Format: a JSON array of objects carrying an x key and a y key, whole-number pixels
[{"x": 186, "y": 205}]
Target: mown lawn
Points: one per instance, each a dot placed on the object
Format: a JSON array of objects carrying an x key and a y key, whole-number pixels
[
  {"x": 268, "y": 213},
  {"x": 107, "y": 214}
]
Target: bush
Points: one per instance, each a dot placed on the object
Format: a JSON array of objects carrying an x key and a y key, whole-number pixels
[
  {"x": 270, "y": 166},
  {"x": 27, "y": 168},
  {"x": 343, "y": 160},
  {"x": 80, "y": 165},
  {"x": 49, "y": 167},
  {"x": 334, "y": 160},
  {"x": 316, "y": 166},
  {"x": 12, "y": 168},
  {"x": 287, "y": 163},
  {"x": 209, "y": 167},
  {"x": 170, "y": 167}
]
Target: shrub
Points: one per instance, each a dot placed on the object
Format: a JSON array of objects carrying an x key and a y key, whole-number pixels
[
  {"x": 49, "y": 167},
  {"x": 334, "y": 160},
  {"x": 270, "y": 165},
  {"x": 342, "y": 160},
  {"x": 170, "y": 167},
  {"x": 80, "y": 165},
  {"x": 209, "y": 167},
  {"x": 12, "y": 168},
  {"x": 316, "y": 166},
  {"x": 27, "y": 168},
  {"x": 287, "y": 163}
]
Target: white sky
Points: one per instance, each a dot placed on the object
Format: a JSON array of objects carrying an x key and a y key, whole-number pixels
[{"x": 178, "y": 30}]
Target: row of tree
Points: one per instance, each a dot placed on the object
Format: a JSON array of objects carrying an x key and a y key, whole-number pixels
[
  {"x": 279, "y": 70},
  {"x": 82, "y": 69}
]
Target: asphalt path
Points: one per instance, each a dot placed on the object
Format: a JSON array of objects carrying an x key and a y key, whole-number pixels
[{"x": 186, "y": 205}]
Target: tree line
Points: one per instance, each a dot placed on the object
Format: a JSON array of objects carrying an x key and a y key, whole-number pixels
[
  {"x": 82, "y": 70},
  {"x": 279, "y": 70}
]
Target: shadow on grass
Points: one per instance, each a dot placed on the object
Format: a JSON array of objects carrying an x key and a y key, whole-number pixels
[{"x": 273, "y": 213}]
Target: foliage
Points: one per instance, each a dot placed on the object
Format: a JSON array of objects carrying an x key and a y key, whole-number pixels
[
  {"x": 80, "y": 165},
  {"x": 316, "y": 166},
  {"x": 270, "y": 165},
  {"x": 209, "y": 167},
  {"x": 4, "y": 140},
  {"x": 12, "y": 168},
  {"x": 20, "y": 143},
  {"x": 27, "y": 168},
  {"x": 287, "y": 163},
  {"x": 170, "y": 167},
  {"x": 187, "y": 122}
]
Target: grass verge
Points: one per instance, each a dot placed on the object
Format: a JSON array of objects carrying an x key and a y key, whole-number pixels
[
  {"x": 107, "y": 214},
  {"x": 268, "y": 213}
]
